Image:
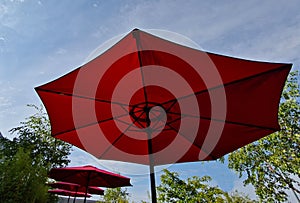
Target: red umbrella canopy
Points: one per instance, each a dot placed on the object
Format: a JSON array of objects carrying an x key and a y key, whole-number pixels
[
  {"x": 76, "y": 188},
  {"x": 89, "y": 176},
  {"x": 147, "y": 95},
  {"x": 65, "y": 185},
  {"x": 95, "y": 190},
  {"x": 68, "y": 193}
]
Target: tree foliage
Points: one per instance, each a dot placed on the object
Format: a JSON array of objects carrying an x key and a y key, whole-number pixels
[
  {"x": 116, "y": 195},
  {"x": 34, "y": 135},
  {"x": 272, "y": 164},
  {"x": 21, "y": 180},
  {"x": 25, "y": 161},
  {"x": 194, "y": 189}
]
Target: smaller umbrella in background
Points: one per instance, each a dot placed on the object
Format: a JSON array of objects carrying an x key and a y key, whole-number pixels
[
  {"x": 72, "y": 187},
  {"x": 65, "y": 185},
  {"x": 69, "y": 193},
  {"x": 76, "y": 188},
  {"x": 89, "y": 176}
]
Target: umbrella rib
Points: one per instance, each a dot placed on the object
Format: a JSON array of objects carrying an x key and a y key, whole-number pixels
[
  {"x": 82, "y": 97},
  {"x": 176, "y": 119},
  {"x": 227, "y": 84},
  {"x": 156, "y": 123},
  {"x": 137, "y": 119},
  {"x": 174, "y": 102},
  {"x": 224, "y": 121},
  {"x": 119, "y": 137},
  {"x": 151, "y": 160},
  {"x": 126, "y": 123},
  {"x": 199, "y": 147},
  {"x": 126, "y": 110},
  {"x": 141, "y": 69},
  {"x": 90, "y": 124}
]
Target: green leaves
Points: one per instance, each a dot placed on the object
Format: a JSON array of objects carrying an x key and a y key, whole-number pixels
[
  {"x": 272, "y": 163},
  {"x": 116, "y": 195},
  {"x": 25, "y": 161},
  {"x": 34, "y": 135},
  {"x": 194, "y": 189},
  {"x": 21, "y": 180}
]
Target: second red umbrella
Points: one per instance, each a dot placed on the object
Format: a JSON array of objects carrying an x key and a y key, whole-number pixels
[
  {"x": 89, "y": 176},
  {"x": 76, "y": 188},
  {"x": 69, "y": 193}
]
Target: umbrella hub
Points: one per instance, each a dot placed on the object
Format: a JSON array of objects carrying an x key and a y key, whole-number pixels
[{"x": 147, "y": 114}]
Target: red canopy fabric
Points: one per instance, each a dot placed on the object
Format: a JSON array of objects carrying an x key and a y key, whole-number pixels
[
  {"x": 146, "y": 92},
  {"x": 65, "y": 185},
  {"x": 68, "y": 193},
  {"x": 95, "y": 190},
  {"x": 89, "y": 176},
  {"x": 76, "y": 188}
]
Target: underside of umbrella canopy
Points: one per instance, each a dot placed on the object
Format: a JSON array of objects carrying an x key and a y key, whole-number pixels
[
  {"x": 95, "y": 190},
  {"x": 146, "y": 92},
  {"x": 76, "y": 188},
  {"x": 89, "y": 176},
  {"x": 68, "y": 193}
]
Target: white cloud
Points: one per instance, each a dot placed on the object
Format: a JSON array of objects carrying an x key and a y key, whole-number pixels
[
  {"x": 252, "y": 29},
  {"x": 21, "y": 1},
  {"x": 61, "y": 51},
  {"x": 6, "y": 103},
  {"x": 3, "y": 10}
]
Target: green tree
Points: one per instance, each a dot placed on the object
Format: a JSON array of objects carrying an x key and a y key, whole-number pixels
[
  {"x": 237, "y": 197},
  {"x": 21, "y": 180},
  {"x": 34, "y": 135},
  {"x": 194, "y": 189},
  {"x": 25, "y": 161},
  {"x": 271, "y": 164},
  {"x": 116, "y": 195}
]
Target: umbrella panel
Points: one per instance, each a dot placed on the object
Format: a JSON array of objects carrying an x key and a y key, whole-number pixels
[
  {"x": 89, "y": 175},
  {"x": 250, "y": 94}
]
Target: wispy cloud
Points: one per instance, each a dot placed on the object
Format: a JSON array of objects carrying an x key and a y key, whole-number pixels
[
  {"x": 253, "y": 29},
  {"x": 6, "y": 105}
]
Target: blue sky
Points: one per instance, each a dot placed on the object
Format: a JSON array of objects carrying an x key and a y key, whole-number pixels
[{"x": 42, "y": 40}]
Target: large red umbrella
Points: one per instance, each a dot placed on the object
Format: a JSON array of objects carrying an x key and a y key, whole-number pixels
[
  {"x": 69, "y": 193},
  {"x": 87, "y": 176},
  {"x": 151, "y": 101}
]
